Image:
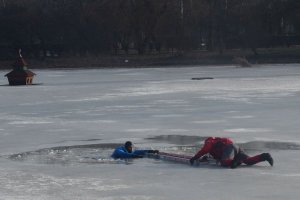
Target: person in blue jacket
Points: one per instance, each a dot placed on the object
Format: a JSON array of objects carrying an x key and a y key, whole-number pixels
[{"x": 126, "y": 151}]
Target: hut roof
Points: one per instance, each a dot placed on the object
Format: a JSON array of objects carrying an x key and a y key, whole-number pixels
[{"x": 20, "y": 73}]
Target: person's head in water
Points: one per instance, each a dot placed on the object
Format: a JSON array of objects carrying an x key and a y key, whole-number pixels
[{"x": 128, "y": 146}]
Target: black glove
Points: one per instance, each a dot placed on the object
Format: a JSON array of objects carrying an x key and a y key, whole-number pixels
[
  {"x": 192, "y": 160},
  {"x": 204, "y": 158},
  {"x": 153, "y": 151},
  {"x": 137, "y": 156}
]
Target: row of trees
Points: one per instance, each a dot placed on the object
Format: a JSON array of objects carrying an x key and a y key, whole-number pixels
[{"x": 143, "y": 26}]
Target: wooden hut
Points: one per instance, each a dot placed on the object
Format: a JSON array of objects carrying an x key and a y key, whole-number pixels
[{"x": 20, "y": 75}]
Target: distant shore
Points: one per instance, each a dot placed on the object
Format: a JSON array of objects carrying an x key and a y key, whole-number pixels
[{"x": 201, "y": 58}]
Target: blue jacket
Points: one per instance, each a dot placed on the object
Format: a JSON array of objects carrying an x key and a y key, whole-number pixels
[{"x": 121, "y": 152}]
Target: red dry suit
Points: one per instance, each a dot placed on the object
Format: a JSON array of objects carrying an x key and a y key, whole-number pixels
[
  {"x": 215, "y": 146},
  {"x": 224, "y": 151}
]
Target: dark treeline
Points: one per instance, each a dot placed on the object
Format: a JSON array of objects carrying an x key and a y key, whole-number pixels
[{"x": 90, "y": 27}]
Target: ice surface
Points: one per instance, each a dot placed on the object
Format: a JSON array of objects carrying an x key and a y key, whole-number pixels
[{"x": 56, "y": 137}]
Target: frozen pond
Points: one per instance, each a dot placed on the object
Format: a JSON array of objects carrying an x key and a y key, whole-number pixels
[{"x": 56, "y": 137}]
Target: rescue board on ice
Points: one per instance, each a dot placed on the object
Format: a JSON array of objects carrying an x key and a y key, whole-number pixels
[{"x": 178, "y": 158}]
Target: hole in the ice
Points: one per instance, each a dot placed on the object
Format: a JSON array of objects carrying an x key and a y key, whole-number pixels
[
  {"x": 100, "y": 153},
  {"x": 193, "y": 141}
]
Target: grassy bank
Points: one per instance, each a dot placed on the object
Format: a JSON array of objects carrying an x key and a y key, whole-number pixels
[{"x": 274, "y": 55}]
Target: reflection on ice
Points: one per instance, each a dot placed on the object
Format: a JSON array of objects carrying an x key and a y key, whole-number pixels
[
  {"x": 247, "y": 130},
  {"x": 178, "y": 139},
  {"x": 29, "y": 122},
  {"x": 271, "y": 145}
]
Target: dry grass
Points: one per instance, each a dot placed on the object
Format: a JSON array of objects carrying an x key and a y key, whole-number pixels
[{"x": 196, "y": 57}]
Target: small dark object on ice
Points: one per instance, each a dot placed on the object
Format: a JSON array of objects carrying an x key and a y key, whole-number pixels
[
  {"x": 202, "y": 78},
  {"x": 241, "y": 61}
]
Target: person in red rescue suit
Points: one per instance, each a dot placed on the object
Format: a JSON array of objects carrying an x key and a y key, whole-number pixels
[{"x": 228, "y": 154}]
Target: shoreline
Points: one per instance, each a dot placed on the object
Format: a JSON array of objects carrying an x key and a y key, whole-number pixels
[{"x": 200, "y": 58}]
